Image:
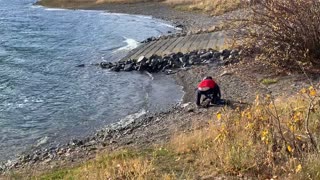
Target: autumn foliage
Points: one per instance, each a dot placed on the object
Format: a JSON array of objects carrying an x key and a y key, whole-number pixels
[
  {"x": 287, "y": 31},
  {"x": 272, "y": 138}
]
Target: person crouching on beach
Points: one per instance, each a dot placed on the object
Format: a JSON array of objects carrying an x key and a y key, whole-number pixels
[{"x": 210, "y": 89}]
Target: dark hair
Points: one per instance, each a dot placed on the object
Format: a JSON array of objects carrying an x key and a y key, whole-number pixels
[{"x": 208, "y": 77}]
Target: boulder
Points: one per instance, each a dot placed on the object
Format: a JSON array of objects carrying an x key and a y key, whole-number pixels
[
  {"x": 182, "y": 59},
  {"x": 116, "y": 68},
  {"x": 222, "y": 58},
  {"x": 128, "y": 67},
  {"x": 142, "y": 59},
  {"x": 193, "y": 59},
  {"x": 180, "y": 54},
  {"x": 225, "y": 52},
  {"x": 174, "y": 56},
  {"x": 234, "y": 52},
  {"x": 81, "y": 65},
  {"x": 202, "y": 51},
  {"x": 206, "y": 56},
  {"x": 106, "y": 65},
  {"x": 180, "y": 26},
  {"x": 141, "y": 67}
]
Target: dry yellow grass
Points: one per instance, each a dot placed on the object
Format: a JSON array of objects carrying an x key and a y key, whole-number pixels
[
  {"x": 271, "y": 138},
  {"x": 213, "y": 7}
]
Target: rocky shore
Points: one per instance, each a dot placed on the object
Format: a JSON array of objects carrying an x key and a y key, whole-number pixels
[
  {"x": 117, "y": 135},
  {"x": 173, "y": 61},
  {"x": 240, "y": 81}
]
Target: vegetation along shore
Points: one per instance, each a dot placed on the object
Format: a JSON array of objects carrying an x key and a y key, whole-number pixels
[{"x": 268, "y": 69}]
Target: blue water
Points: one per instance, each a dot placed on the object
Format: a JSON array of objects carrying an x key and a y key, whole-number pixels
[{"x": 45, "y": 99}]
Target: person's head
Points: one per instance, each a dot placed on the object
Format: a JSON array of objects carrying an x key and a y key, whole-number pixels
[{"x": 207, "y": 77}]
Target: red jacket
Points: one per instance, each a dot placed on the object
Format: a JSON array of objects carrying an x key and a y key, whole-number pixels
[{"x": 207, "y": 83}]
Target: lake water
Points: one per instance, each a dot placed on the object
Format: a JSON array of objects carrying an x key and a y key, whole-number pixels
[{"x": 45, "y": 99}]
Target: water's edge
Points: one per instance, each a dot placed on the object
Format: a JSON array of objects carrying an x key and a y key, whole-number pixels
[{"x": 128, "y": 122}]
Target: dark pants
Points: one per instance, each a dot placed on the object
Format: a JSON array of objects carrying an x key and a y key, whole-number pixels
[{"x": 213, "y": 94}]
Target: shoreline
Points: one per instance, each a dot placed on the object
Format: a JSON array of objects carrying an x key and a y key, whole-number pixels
[{"x": 41, "y": 154}]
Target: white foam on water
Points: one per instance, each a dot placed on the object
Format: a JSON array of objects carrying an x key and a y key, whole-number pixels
[
  {"x": 55, "y": 9},
  {"x": 167, "y": 25},
  {"x": 36, "y": 6},
  {"x": 150, "y": 75},
  {"x": 131, "y": 44},
  {"x": 128, "y": 119},
  {"x": 124, "y": 14},
  {"x": 42, "y": 141},
  {"x": 87, "y": 10}
]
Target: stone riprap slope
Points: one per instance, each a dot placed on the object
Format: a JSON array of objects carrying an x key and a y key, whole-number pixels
[
  {"x": 174, "y": 52},
  {"x": 183, "y": 44}
]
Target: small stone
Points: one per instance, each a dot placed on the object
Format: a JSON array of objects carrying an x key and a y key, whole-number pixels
[
  {"x": 185, "y": 104},
  {"x": 225, "y": 73},
  {"x": 112, "y": 141},
  {"x": 81, "y": 65},
  {"x": 190, "y": 110},
  {"x": 180, "y": 26},
  {"x": 234, "y": 52}
]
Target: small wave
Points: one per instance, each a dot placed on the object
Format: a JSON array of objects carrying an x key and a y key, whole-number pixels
[
  {"x": 124, "y": 14},
  {"x": 131, "y": 44},
  {"x": 128, "y": 119},
  {"x": 36, "y": 6},
  {"x": 150, "y": 75},
  {"x": 88, "y": 11},
  {"x": 55, "y": 9},
  {"x": 116, "y": 14},
  {"x": 42, "y": 141},
  {"x": 168, "y": 25}
]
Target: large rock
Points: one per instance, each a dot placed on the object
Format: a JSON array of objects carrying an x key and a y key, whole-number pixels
[
  {"x": 116, "y": 68},
  {"x": 234, "y": 52},
  {"x": 142, "y": 59},
  {"x": 183, "y": 59},
  {"x": 206, "y": 56},
  {"x": 106, "y": 65},
  {"x": 225, "y": 52},
  {"x": 128, "y": 67},
  {"x": 216, "y": 54}
]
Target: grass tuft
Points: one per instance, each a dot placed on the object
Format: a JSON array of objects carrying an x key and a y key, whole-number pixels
[
  {"x": 268, "y": 81},
  {"x": 216, "y": 7}
]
